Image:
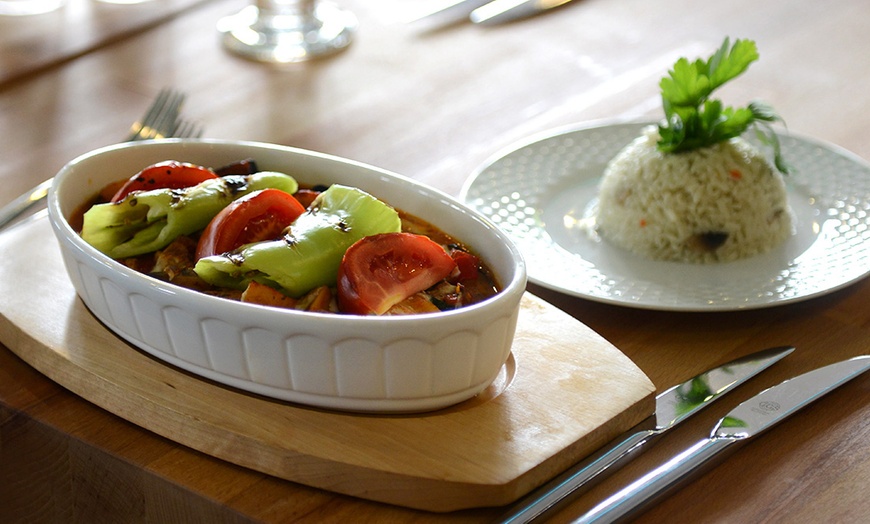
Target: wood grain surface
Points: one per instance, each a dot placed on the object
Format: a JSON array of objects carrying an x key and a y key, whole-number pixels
[
  {"x": 434, "y": 106},
  {"x": 37, "y": 43},
  {"x": 562, "y": 395}
]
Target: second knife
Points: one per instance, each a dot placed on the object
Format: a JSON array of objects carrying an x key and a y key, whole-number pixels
[
  {"x": 673, "y": 406},
  {"x": 749, "y": 419}
]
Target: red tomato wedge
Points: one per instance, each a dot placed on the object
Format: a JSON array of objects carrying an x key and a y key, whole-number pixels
[
  {"x": 306, "y": 196},
  {"x": 467, "y": 263},
  {"x": 380, "y": 271},
  {"x": 165, "y": 175},
  {"x": 257, "y": 216}
]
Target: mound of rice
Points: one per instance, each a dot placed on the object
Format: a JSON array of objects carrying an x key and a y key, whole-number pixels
[{"x": 714, "y": 204}]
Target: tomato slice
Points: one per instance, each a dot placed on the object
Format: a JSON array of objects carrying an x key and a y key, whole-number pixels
[
  {"x": 306, "y": 196},
  {"x": 467, "y": 263},
  {"x": 380, "y": 271},
  {"x": 170, "y": 174},
  {"x": 257, "y": 216}
]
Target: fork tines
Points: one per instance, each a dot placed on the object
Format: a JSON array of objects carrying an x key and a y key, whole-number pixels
[{"x": 162, "y": 118}]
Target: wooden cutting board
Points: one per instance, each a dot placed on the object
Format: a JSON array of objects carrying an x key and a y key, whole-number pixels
[{"x": 563, "y": 394}]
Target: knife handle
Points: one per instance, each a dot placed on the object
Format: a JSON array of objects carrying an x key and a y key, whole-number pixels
[
  {"x": 583, "y": 475},
  {"x": 657, "y": 483},
  {"x": 20, "y": 205}
]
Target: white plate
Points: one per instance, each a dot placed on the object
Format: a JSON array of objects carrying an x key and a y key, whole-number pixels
[{"x": 538, "y": 190}]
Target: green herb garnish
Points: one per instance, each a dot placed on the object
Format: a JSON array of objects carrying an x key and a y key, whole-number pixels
[{"x": 693, "y": 120}]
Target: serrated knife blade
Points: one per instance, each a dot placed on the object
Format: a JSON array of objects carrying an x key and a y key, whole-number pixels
[
  {"x": 673, "y": 406},
  {"x": 747, "y": 420}
]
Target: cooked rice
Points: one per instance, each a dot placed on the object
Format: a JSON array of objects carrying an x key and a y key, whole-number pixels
[{"x": 715, "y": 204}]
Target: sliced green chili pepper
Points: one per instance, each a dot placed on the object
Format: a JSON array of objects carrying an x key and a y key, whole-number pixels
[
  {"x": 310, "y": 252},
  {"x": 149, "y": 220}
]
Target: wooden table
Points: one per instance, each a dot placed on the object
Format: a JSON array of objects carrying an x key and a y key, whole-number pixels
[{"x": 434, "y": 106}]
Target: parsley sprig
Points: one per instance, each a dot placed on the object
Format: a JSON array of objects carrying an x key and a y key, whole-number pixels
[{"x": 693, "y": 120}]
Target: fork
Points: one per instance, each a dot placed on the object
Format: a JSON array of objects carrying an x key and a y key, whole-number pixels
[{"x": 161, "y": 120}]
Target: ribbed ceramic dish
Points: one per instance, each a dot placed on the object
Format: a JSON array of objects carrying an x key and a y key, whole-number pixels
[{"x": 368, "y": 364}]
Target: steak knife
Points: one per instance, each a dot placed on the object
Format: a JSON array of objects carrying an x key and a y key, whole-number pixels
[
  {"x": 747, "y": 420},
  {"x": 672, "y": 407}
]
